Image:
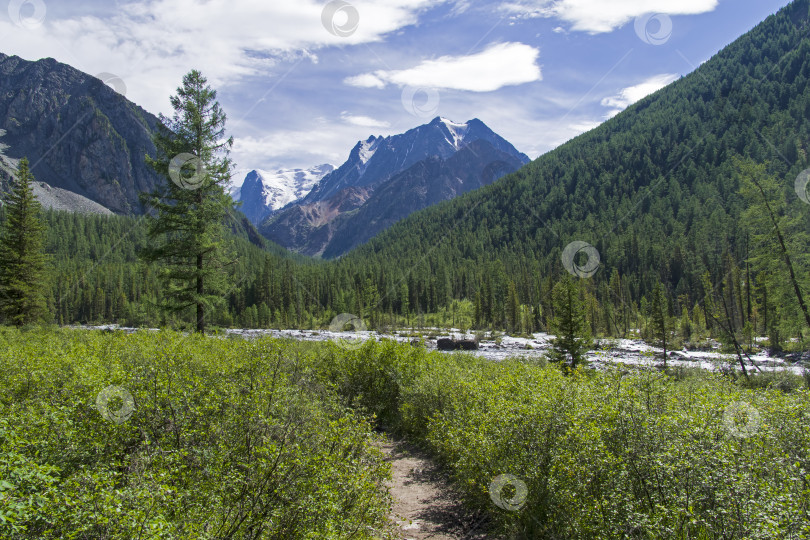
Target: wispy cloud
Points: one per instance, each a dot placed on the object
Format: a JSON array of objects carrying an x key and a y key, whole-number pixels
[
  {"x": 363, "y": 121},
  {"x": 598, "y": 16},
  {"x": 627, "y": 96},
  {"x": 499, "y": 65},
  {"x": 151, "y": 44}
]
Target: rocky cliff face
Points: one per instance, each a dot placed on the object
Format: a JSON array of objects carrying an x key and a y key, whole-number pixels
[
  {"x": 378, "y": 159},
  {"x": 78, "y": 134}
]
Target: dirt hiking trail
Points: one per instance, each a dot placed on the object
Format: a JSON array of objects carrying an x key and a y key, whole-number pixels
[{"x": 425, "y": 504}]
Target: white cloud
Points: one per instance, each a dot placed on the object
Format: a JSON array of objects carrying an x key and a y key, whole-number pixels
[
  {"x": 583, "y": 126},
  {"x": 366, "y": 80},
  {"x": 631, "y": 94},
  {"x": 290, "y": 149},
  {"x": 501, "y": 64},
  {"x": 321, "y": 140},
  {"x": 598, "y": 16},
  {"x": 363, "y": 121},
  {"x": 151, "y": 44}
]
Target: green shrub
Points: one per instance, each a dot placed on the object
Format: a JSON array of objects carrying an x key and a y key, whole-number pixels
[
  {"x": 272, "y": 439},
  {"x": 614, "y": 454},
  {"x": 228, "y": 438}
]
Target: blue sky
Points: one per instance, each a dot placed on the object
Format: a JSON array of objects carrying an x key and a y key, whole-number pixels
[{"x": 303, "y": 80}]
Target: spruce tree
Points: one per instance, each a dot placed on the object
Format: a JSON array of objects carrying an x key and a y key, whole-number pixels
[
  {"x": 186, "y": 225},
  {"x": 22, "y": 255},
  {"x": 514, "y": 308},
  {"x": 572, "y": 332},
  {"x": 661, "y": 323}
]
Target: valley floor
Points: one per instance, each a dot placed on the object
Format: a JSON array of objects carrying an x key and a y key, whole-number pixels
[{"x": 109, "y": 434}]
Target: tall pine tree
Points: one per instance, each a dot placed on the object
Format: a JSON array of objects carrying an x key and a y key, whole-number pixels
[
  {"x": 659, "y": 311},
  {"x": 572, "y": 331},
  {"x": 22, "y": 255},
  {"x": 186, "y": 228}
]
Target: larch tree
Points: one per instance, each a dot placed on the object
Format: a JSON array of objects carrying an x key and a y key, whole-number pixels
[
  {"x": 187, "y": 215},
  {"x": 22, "y": 254},
  {"x": 778, "y": 225},
  {"x": 571, "y": 329},
  {"x": 661, "y": 322}
]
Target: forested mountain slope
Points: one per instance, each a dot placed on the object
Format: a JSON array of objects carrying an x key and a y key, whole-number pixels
[
  {"x": 658, "y": 190},
  {"x": 653, "y": 189}
]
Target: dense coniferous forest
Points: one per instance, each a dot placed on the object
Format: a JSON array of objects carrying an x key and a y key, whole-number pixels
[{"x": 659, "y": 191}]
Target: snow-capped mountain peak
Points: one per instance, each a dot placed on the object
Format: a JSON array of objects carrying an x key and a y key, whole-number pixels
[
  {"x": 367, "y": 149},
  {"x": 262, "y": 193},
  {"x": 377, "y": 159},
  {"x": 450, "y": 123},
  {"x": 455, "y": 132}
]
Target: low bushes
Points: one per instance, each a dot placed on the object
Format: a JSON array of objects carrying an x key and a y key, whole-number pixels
[
  {"x": 227, "y": 439},
  {"x": 611, "y": 454},
  {"x": 269, "y": 439}
]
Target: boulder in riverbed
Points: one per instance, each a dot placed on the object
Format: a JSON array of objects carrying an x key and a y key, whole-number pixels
[{"x": 448, "y": 344}]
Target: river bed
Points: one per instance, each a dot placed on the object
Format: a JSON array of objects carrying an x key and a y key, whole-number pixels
[{"x": 630, "y": 352}]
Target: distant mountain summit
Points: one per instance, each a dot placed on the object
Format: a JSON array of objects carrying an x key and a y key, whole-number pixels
[
  {"x": 262, "y": 193},
  {"x": 424, "y": 184},
  {"x": 423, "y": 166},
  {"x": 79, "y": 134},
  {"x": 377, "y": 159}
]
